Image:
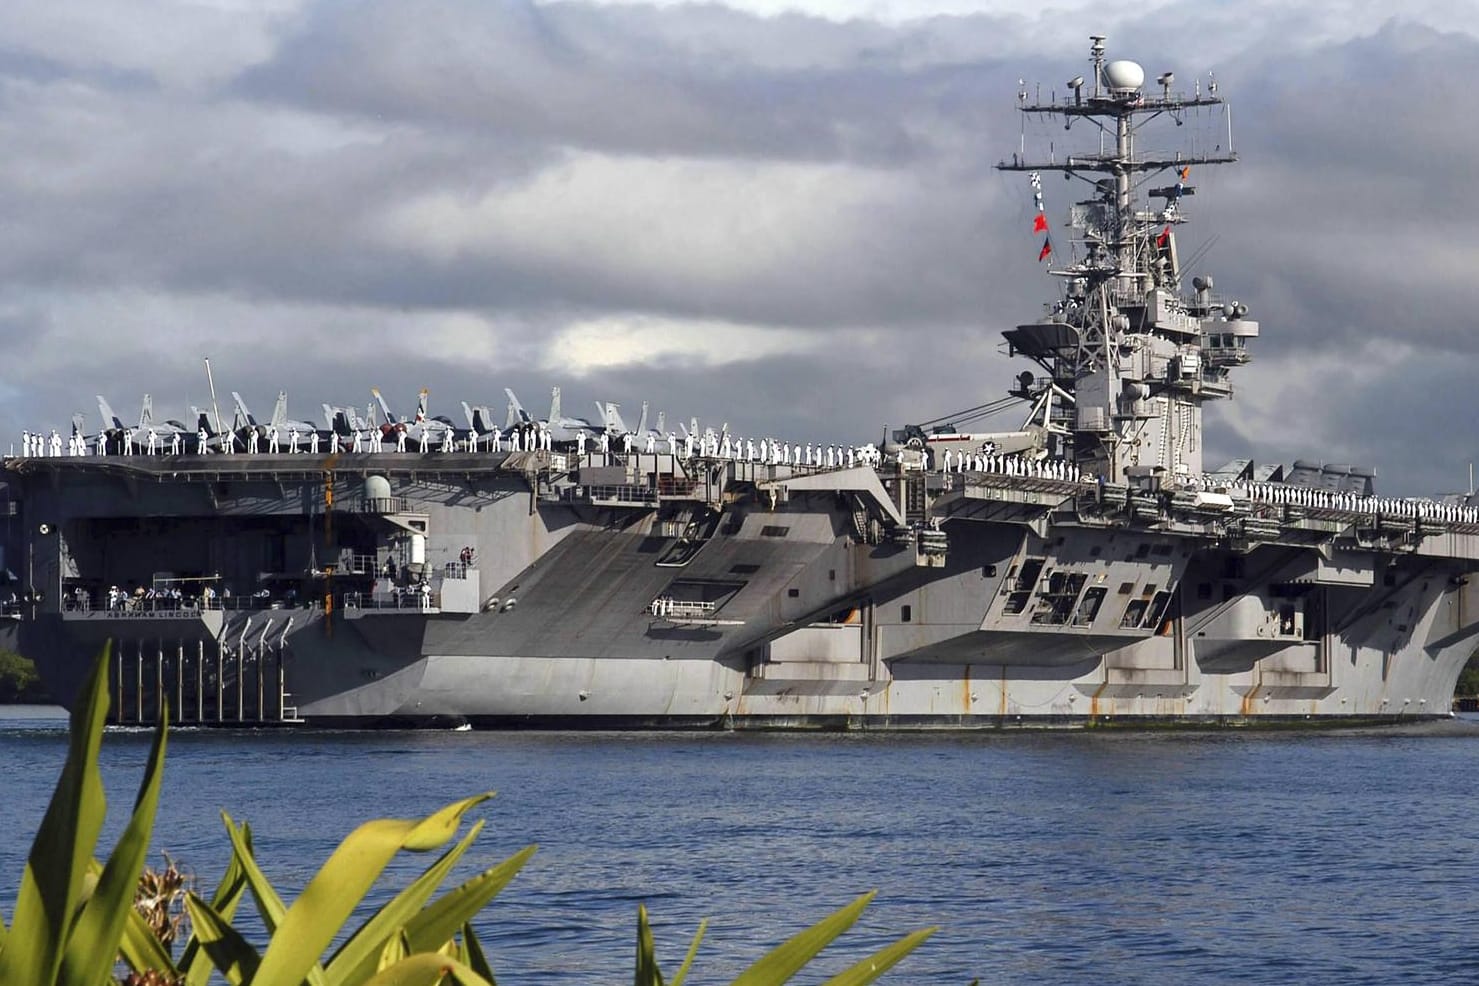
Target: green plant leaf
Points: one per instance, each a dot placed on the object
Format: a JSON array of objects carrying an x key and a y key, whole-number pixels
[
  {"x": 785, "y": 960},
  {"x": 354, "y": 960},
  {"x": 476, "y": 960},
  {"x": 338, "y": 887},
  {"x": 269, "y": 905},
  {"x": 194, "y": 961},
  {"x": 396, "y": 947},
  {"x": 139, "y": 948},
  {"x": 441, "y": 919},
  {"x": 232, "y": 954},
  {"x": 52, "y": 884},
  {"x": 92, "y": 946},
  {"x": 427, "y": 969},
  {"x": 647, "y": 974},
  {"x": 880, "y": 961},
  {"x": 698, "y": 936}
]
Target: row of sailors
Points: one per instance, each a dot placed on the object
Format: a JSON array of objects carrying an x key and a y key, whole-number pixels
[
  {"x": 739, "y": 449},
  {"x": 526, "y": 438},
  {"x": 1011, "y": 465},
  {"x": 1314, "y": 498}
]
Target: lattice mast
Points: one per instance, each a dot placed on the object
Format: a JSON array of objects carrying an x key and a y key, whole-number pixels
[{"x": 1131, "y": 355}]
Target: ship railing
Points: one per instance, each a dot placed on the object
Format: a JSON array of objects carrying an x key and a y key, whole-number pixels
[
  {"x": 382, "y": 505},
  {"x": 637, "y": 495},
  {"x": 404, "y": 600},
  {"x": 665, "y": 607},
  {"x": 150, "y": 608}
]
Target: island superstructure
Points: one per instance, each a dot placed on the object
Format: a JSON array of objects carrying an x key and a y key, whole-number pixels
[{"x": 1084, "y": 568}]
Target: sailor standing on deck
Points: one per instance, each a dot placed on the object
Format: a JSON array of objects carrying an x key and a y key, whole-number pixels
[
  {"x": 252, "y": 442},
  {"x": 313, "y": 443},
  {"x": 272, "y": 444},
  {"x": 400, "y": 440},
  {"x": 56, "y": 443},
  {"x": 293, "y": 442},
  {"x": 153, "y": 442}
]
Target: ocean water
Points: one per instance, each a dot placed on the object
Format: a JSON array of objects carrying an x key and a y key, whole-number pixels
[{"x": 1045, "y": 858}]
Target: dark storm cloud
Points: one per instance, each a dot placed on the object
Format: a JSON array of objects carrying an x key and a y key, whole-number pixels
[
  {"x": 701, "y": 81},
  {"x": 433, "y": 194}
]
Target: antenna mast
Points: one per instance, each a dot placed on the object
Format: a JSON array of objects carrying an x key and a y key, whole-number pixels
[{"x": 1136, "y": 357}]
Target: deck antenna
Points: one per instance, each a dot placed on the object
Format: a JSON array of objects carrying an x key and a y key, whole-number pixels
[{"x": 214, "y": 409}]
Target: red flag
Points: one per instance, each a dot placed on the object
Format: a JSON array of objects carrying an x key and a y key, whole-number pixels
[
  {"x": 1185, "y": 172},
  {"x": 1164, "y": 238},
  {"x": 1040, "y": 224},
  {"x": 1046, "y": 251}
]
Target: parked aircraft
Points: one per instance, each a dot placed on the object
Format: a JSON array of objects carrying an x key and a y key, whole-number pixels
[
  {"x": 287, "y": 428},
  {"x": 347, "y": 423},
  {"x": 423, "y": 431},
  {"x": 563, "y": 430},
  {"x": 117, "y": 434}
]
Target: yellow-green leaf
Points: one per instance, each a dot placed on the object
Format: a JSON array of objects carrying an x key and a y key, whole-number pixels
[
  {"x": 427, "y": 969},
  {"x": 335, "y": 890},
  {"x": 476, "y": 960},
  {"x": 880, "y": 961},
  {"x": 355, "y": 959},
  {"x": 396, "y": 948},
  {"x": 232, "y": 954},
  {"x": 52, "y": 883},
  {"x": 647, "y": 973},
  {"x": 269, "y": 905},
  {"x": 193, "y": 959},
  {"x": 139, "y": 948},
  {"x": 786, "y": 959},
  {"x": 698, "y": 936},
  {"x": 437, "y": 922},
  {"x": 92, "y": 946}
]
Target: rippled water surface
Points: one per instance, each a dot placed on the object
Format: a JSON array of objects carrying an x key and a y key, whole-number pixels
[{"x": 1045, "y": 858}]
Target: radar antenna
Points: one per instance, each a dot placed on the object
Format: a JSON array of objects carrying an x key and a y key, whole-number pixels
[{"x": 1139, "y": 356}]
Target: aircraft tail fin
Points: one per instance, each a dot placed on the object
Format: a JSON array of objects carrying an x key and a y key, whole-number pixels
[
  {"x": 611, "y": 417},
  {"x": 78, "y": 428},
  {"x": 662, "y": 422},
  {"x": 384, "y": 407},
  {"x": 111, "y": 421},
  {"x": 554, "y": 405},
  {"x": 242, "y": 411},
  {"x": 280, "y": 410},
  {"x": 642, "y": 422},
  {"x": 516, "y": 412},
  {"x": 146, "y": 413},
  {"x": 421, "y": 404}
]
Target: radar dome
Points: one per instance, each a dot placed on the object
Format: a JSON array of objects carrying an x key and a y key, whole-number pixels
[{"x": 1124, "y": 76}]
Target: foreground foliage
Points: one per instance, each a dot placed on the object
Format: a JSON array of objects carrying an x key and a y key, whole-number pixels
[{"x": 76, "y": 919}]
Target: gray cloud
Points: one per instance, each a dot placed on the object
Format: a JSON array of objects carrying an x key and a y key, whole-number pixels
[{"x": 325, "y": 197}]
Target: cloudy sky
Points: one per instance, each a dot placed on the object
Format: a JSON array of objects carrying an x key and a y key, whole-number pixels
[{"x": 780, "y": 214}]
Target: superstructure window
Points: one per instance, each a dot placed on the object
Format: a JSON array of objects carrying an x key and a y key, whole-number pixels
[
  {"x": 906, "y": 614},
  {"x": 774, "y": 531}
]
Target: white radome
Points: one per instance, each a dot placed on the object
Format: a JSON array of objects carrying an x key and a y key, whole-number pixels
[{"x": 1124, "y": 76}]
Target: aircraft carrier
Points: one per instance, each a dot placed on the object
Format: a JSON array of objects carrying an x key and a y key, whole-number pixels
[{"x": 1085, "y": 568}]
